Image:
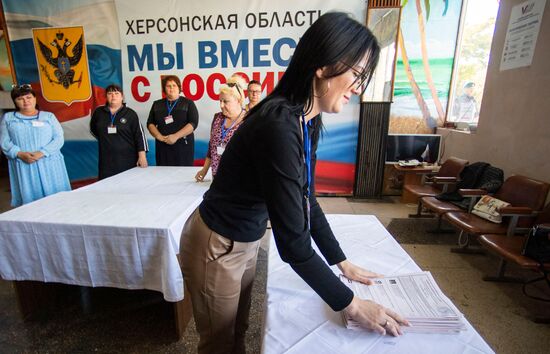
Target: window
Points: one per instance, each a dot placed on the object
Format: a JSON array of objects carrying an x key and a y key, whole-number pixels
[{"x": 471, "y": 60}]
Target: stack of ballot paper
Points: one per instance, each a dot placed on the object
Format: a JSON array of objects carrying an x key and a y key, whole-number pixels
[{"x": 414, "y": 296}]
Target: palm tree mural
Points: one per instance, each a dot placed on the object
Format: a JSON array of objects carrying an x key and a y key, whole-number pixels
[
  {"x": 425, "y": 60},
  {"x": 415, "y": 89}
]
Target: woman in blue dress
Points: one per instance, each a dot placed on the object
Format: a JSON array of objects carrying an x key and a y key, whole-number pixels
[{"x": 31, "y": 140}]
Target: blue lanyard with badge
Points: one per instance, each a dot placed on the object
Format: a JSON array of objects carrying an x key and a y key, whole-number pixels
[
  {"x": 307, "y": 161},
  {"x": 221, "y": 148},
  {"x": 170, "y": 107},
  {"x": 111, "y": 129}
]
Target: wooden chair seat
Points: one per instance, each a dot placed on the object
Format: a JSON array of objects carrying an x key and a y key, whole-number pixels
[
  {"x": 526, "y": 197},
  {"x": 509, "y": 248},
  {"x": 423, "y": 190},
  {"x": 439, "y": 206},
  {"x": 436, "y": 184},
  {"x": 474, "y": 225}
]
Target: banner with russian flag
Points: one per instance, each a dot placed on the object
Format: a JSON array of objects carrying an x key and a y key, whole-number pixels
[{"x": 69, "y": 51}]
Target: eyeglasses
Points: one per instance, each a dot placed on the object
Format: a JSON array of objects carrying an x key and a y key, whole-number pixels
[
  {"x": 21, "y": 87},
  {"x": 361, "y": 78},
  {"x": 255, "y": 92},
  {"x": 234, "y": 84}
]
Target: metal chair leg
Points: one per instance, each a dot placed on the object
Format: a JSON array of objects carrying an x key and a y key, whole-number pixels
[
  {"x": 540, "y": 298},
  {"x": 439, "y": 229},
  {"x": 419, "y": 211},
  {"x": 500, "y": 277}
]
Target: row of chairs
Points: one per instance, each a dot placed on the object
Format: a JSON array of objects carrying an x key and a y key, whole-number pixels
[{"x": 525, "y": 195}]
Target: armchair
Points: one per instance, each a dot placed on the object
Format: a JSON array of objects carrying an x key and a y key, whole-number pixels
[
  {"x": 433, "y": 184},
  {"x": 475, "y": 176},
  {"x": 509, "y": 249},
  {"x": 526, "y": 197}
]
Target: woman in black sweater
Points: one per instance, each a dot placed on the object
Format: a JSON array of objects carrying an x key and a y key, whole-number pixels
[
  {"x": 266, "y": 172},
  {"x": 172, "y": 121},
  {"x": 122, "y": 142}
]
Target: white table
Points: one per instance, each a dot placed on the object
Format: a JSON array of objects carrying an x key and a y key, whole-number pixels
[
  {"x": 298, "y": 321},
  {"x": 120, "y": 232}
]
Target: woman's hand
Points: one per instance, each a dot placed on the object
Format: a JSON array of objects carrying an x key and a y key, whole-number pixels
[
  {"x": 26, "y": 157},
  {"x": 142, "y": 161},
  {"x": 201, "y": 174},
  {"x": 356, "y": 273},
  {"x": 170, "y": 139},
  {"x": 37, "y": 155},
  {"x": 375, "y": 317}
]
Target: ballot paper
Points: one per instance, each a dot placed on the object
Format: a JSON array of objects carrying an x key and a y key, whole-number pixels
[{"x": 414, "y": 296}]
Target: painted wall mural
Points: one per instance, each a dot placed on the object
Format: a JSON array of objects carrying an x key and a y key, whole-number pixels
[{"x": 427, "y": 42}]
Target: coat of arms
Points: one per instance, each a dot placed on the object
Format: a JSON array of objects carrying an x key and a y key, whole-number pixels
[{"x": 62, "y": 64}]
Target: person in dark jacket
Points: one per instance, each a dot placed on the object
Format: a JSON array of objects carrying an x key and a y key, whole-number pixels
[
  {"x": 171, "y": 122},
  {"x": 121, "y": 139},
  {"x": 267, "y": 171}
]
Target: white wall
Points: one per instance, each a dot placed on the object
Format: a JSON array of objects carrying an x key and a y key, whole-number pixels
[{"x": 514, "y": 124}]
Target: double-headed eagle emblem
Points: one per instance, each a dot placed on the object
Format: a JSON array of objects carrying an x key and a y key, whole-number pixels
[{"x": 62, "y": 62}]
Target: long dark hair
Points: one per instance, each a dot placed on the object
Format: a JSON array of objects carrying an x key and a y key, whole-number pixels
[{"x": 335, "y": 41}]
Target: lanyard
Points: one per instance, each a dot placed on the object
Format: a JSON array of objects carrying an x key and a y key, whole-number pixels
[
  {"x": 225, "y": 130},
  {"x": 113, "y": 116},
  {"x": 169, "y": 106},
  {"x": 307, "y": 161},
  {"x": 307, "y": 153}
]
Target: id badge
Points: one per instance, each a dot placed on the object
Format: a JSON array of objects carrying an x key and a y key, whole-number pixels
[
  {"x": 168, "y": 119},
  {"x": 111, "y": 130},
  {"x": 37, "y": 123},
  {"x": 220, "y": 149}
]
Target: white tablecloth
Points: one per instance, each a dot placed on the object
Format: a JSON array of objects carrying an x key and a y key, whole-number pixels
[
  {"x": 298, "y": 321},
  {"x": 120, "y": 232}
]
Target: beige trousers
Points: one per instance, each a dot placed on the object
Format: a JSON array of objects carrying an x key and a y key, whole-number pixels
[{"x": 218, "y": 274}]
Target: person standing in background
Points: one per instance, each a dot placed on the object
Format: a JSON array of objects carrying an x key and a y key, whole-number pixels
[
  {"x": 224, "y": 124},
  {"x": 171, "y": 122},
  {"x": 465, "y": 106},
  {"x": 254, "y": 91},
  {"x": 122, "y": 142},
  {"x": 31, "y": 140}
]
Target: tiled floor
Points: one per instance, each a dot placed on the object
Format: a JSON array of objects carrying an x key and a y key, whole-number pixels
[{"x": 500, "y": 312}]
